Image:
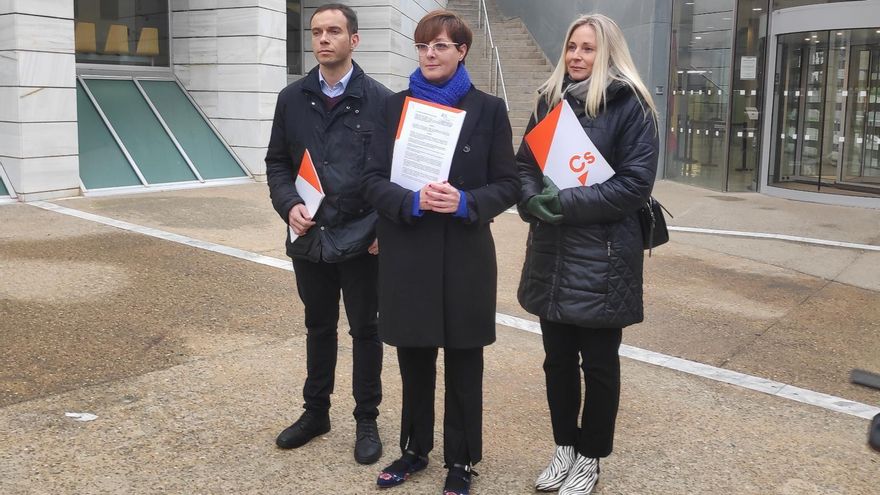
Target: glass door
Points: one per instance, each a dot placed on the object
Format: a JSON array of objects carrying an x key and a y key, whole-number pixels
[
  {"x": 813, "y": 89},
  {"x": 827, "y": 120},
  {"x": 862, "y": 156},
  {"x": 788, "y": 124}
]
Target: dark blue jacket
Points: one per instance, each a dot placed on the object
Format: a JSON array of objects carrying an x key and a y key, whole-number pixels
[{"x": 337, "y": 141}]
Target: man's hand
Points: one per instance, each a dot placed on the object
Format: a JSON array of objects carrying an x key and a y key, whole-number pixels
[
  {"x": 299, "y": 219},
  {"x": 441, "y": 197},
  {"x": 374, "y": 247}
]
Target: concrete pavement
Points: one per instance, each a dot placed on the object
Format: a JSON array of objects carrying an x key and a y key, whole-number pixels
[{"x": 192, "y": 360}]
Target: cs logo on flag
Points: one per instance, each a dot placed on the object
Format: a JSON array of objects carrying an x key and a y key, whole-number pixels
[{"x": 578, "y": 163}]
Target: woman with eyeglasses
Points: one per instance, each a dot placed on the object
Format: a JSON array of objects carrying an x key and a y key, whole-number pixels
[
  {"x": 582, "y": 274},
  {"x": 437, "y": 270}
]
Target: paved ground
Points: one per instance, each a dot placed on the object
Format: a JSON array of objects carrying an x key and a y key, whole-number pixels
[{"x": 192, "y": 360}]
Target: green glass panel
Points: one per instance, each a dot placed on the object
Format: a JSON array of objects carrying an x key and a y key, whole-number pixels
[
  {"x": 140, "y": 131},
  {"x": 3, "y": 191},
  {"x": 198, "y": 140},
  {"x": 101, "y": 162}
]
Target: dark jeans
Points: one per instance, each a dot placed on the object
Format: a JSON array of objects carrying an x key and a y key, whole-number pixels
[
  {"x": 463, "y": 411},
  {"x": 319, "y": 285},
  {"x": 596, "y": 351}
]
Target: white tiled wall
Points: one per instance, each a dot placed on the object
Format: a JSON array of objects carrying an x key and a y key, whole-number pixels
[
  {"x": 38, "y": 131},
  {"x": 231, "y": 57},
  {"x": 385, "y": 51},
  {"x": 229, "y": 54}
]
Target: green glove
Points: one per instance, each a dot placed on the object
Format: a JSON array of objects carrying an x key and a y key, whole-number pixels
[
  {"x": 550, "y": 196},
  {"x": 549, "y": 186},
  {"x": 546, "y": 207}
]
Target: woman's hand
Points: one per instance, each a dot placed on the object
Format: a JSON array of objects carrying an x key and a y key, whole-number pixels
[{"x": 440, "y": 197}]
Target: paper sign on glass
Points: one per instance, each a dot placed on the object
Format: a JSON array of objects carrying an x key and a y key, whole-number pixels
[
  {"x": 308, "y": 186},
  {"x": 425, "y": 142},
  {"x": 564, "y": 152}
]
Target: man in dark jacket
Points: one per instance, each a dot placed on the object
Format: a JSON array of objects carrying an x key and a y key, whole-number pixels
[{"x": 330, "y": 112}]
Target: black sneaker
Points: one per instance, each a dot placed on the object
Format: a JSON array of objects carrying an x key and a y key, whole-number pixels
[
  {"x": 367, "y": 444},
  {"x": 310, "y": 425},
  {"x": 401, "y": 469},
  {"x": 458, "y": 480}
]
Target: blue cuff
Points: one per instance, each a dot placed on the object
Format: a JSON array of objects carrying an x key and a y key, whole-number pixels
[
  {"x": 416, "y": 212},
  {"x": 462, "y": 211}
]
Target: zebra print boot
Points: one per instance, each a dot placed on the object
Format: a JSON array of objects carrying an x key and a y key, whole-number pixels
[
  {"x": 552, "y": 477},
  {"x": 582, "y": 477}
]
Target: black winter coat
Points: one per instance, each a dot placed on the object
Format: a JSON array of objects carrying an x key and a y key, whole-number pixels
[
  {"x": 437, "y": 273},
  {"x": 337, "y": 140},
  {"x": 587, "y": 271}
]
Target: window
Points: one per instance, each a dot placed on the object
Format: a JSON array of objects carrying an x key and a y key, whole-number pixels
[
  {"x": 716, "y": 85},
  {"x": 4, "y": 192},
  {"x": 135, "y": 132},
  {"x": 122, "y": 32},
  {"x": 294, "y": 38}
]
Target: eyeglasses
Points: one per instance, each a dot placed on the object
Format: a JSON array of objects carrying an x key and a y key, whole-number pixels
[{"x": 438, "y": 47}]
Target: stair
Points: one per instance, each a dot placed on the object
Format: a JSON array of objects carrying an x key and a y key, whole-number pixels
[{"x": 522, "y": 62}]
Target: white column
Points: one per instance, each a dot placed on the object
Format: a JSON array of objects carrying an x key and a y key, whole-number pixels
[
  {"x": 38, "y": 130},
  {"x": 231, "y": 56},
  {"x": 386, "y": 28}
]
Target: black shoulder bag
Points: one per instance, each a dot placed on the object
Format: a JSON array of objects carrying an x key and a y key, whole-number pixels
[{"x": 654, "y": 231}]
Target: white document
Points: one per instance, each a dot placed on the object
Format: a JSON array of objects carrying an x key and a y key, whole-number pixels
[
  {"x": 564, "y": 152},
  {"x": 309, "y": 188},
  {"x": 425, "y": 143}
]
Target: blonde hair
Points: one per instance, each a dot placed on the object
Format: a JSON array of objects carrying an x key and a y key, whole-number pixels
[{"x": 613, "y": 63}]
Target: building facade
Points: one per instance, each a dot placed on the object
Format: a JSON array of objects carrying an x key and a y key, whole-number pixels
[
  {"x": 103, "y": 96},
  {"x": 776, "y": 96}
]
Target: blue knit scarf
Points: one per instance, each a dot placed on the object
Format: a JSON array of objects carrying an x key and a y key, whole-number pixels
[{"x": 448, "y": 93}]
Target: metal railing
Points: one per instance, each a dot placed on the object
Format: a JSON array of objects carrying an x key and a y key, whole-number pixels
[{"x": 496, "y": 73}]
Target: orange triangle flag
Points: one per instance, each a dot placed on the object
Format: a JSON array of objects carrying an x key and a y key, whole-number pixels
[
  {"x": 308, "y": 173},
  {"x": 540, "y": 137}
]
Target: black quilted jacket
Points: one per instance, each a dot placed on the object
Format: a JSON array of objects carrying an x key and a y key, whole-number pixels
[{"x": 588, "y": 270}]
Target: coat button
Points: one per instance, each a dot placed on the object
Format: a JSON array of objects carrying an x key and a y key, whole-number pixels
[
  {"x": 348, "y": 107},
  {"x": 313, "y": 103},
  {"x": 326, "y": 162},
  {"x": 467, "y": 148},
  {"x": 357, "y": 110},
  {"x": 322, "y": 227},
  {"x": 358, "y": 126}
]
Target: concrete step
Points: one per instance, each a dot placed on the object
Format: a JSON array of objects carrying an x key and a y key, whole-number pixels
[
  {"x": 523, "y": 64},
  {"x": 526, "y": 53}
]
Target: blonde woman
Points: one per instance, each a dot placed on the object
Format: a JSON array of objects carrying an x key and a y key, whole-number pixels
[{"x": 583, "y": 270}]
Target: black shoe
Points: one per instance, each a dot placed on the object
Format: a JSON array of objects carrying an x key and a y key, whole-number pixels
[
  {"x": 401, "y": 469},
  {"x": 308, "y": 426},
  {"x": 458, "y": 480},
  {"x": 367, "y": 444}
]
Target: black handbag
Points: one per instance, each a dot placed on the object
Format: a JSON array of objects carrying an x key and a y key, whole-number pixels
[{"x": 653, "y": 223}]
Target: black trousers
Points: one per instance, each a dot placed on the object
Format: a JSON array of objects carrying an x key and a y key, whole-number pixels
[
  {"x": 463, "y": 409},
  {"x": 596, "y": 351},
  {"x": 319, "y": 285}
]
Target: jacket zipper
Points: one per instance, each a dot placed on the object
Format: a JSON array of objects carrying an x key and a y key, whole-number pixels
[
  {"x": 555, "y": 279},
  {"x": 609, "y": 248}
]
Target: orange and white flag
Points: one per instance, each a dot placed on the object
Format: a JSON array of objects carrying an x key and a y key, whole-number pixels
[
  {"x": 308, "y": 186},
  {"x": 564, "y": 152}
]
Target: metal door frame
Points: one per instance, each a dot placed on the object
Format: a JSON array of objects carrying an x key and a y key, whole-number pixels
[{"x": 820, "y": 17}]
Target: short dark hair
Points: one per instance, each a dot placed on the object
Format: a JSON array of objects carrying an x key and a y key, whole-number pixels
[
  {"x": 437, "y": 21},
  {"x": 350, "y": 17}
]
